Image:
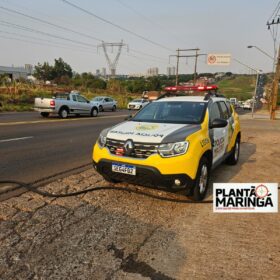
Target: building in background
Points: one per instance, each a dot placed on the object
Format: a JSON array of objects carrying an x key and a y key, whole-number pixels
[
  {"x": 103, "y": 72},
  {"x": 152, "y": 72},
  {"x": 97, "y": 72},
  {"x": 15, "y": 73},
  {"x": 171, "y": 71}
]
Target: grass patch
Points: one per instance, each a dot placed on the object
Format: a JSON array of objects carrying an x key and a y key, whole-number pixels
[
  {"x": 21, "y": 98},
  {"x": 240, "y": 86}
]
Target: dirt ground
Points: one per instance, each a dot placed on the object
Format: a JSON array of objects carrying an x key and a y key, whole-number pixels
[{"x": 122, "y": 235}]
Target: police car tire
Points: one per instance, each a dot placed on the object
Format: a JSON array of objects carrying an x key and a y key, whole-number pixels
[
  {"x": 197, "y": 195},
  {"x": 233, "y": 159}
]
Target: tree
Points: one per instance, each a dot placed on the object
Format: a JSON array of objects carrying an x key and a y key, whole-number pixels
[
  {"x": 61, "y": 68},
  {"x": 44, "y": 72},
  {"x": 154, "y": 83}
]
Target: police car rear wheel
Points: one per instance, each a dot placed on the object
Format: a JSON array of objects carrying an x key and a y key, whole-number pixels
[{"x": 201, "y": 180}]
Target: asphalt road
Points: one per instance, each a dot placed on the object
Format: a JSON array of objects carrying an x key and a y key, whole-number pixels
[{"x": 32, "y": 147}]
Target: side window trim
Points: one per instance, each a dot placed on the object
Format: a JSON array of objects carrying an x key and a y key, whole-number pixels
[{"x": 221, "y": 110}]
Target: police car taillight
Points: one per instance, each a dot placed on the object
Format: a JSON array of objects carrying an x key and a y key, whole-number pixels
[{"x": 52, "y": 103}]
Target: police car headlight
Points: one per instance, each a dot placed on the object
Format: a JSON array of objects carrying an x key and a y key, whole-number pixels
[
  {"x": 102, "y": 141},
  {"x": 173, "y": 149}
]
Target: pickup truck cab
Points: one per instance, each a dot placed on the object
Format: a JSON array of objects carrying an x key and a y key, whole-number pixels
[
  {"x": 172, "y": 142},
  {"x": 65, "y": 104}
]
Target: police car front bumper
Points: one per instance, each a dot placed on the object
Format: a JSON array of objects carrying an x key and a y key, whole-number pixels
[{"x": 146, "y": 176}]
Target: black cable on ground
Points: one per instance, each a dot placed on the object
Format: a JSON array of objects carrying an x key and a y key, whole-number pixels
[{"x": 34, "y": 189}]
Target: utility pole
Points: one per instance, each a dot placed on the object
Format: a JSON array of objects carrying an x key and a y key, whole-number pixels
[
  {"x": 177, "y": 67},
  {"x": 275, "y": 86},
  {"x": 178, "y": 56},
  {"x": 273, "y": 23},
  {"x": 255, "y": 91},
  {"x": 195, "y": 66}
]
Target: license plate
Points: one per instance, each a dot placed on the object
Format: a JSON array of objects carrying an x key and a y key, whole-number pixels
[{"x": 124, "y": 168}]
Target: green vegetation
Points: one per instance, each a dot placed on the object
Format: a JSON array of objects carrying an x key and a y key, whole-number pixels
[
  {"x": 19, "y": 95},
  {"x": 240, "y": 86}
]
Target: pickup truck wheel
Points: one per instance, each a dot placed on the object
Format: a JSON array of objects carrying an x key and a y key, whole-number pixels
[
  {"x": 202, "y": 180},
  {"x": 63, "y": 113},
  {"x": 234, "y": 156},
  {"x": 100, "y": 108},
  {"x": 45, "y": 114},
  {"x": 94, "y": 112},
  {"x": 114, "y": 108}
]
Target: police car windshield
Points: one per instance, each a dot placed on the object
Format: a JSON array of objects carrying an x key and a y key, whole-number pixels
[{"x": 185, "y": 112}]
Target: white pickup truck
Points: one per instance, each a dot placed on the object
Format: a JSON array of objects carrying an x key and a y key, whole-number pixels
[{"x": 65, "y": 104}]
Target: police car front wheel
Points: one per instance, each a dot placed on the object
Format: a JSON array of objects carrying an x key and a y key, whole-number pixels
[{"x": 202, "y": 180}]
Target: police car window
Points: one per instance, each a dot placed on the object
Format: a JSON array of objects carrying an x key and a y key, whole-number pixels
[
  {"x": 214, "y": 112},
  {"x": 172, "y": 112},
  {"x": 229, "y": 107},
  {"x": 224, "y": 110}
]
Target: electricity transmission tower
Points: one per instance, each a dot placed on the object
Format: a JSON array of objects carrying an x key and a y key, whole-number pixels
[{"x": 112, "y": 63}]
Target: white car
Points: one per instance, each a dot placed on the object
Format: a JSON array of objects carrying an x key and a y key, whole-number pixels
[
  {"x": 105, "y": 103},
  {"x": 137, "y": 104}
]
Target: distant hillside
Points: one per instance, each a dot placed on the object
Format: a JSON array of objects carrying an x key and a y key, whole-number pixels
[{"x": 239, "y": 86}]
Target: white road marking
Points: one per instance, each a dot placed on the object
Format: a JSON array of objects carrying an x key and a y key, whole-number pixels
[
  {"x": 15, "y": 139},
  {"x": 60, "y": 120}
]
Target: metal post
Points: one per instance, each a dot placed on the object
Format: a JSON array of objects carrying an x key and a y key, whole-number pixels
[
  {"x": 195, "y": 66},
  {"x": 275, "y": 87},
  {"x": 255, "y": 94},
  {"x": 177, "y": 67}
]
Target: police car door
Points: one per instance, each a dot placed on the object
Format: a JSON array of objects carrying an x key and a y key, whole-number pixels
[{"x": 218, "y": 136}]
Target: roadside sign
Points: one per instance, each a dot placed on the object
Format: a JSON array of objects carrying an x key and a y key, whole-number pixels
[{"x": 218, "y": 59}]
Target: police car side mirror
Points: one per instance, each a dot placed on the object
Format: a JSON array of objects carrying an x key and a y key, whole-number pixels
[{"x": 218, "y": 123}]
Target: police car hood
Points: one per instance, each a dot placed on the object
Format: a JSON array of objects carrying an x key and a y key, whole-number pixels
[{"x": 145, "y": 132}]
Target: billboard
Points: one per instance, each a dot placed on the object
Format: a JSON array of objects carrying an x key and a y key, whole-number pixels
[{"x": 218, "y": 59}]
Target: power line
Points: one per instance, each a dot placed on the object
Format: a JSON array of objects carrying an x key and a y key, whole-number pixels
[
  {"x": 115, "y": 25},
  {"x": 50, "y": 43},
  {"x": 149, "y": 55},
  {"x": 42, "y": 40},
  {"x": 49, "y": 23},
  {"x": 42, "y": 44},
  {"x": 148, "y": 19},
  {"x": 68, "y": 29},
  {"x": 17, "y": 26}
]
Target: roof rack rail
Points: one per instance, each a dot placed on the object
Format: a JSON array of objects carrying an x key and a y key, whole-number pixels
[{"x": 210, "y": 94}]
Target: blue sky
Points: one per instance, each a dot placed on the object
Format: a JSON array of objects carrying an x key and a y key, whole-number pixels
[{"x": 214, "y": 26}]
